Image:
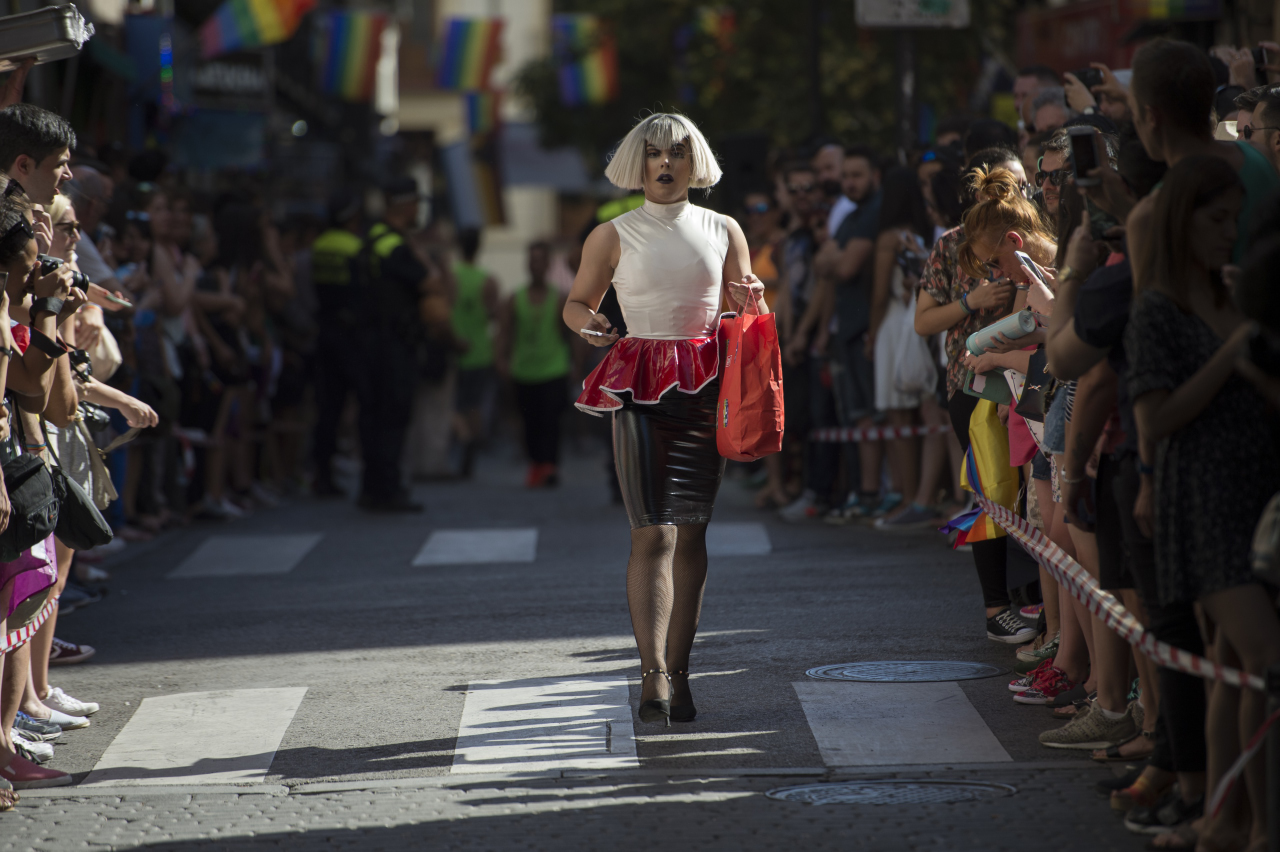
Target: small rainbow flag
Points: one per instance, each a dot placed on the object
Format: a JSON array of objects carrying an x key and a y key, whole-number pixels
[
  {"x": 469, "y": 49},
  {"x": 482, "y": 111},
  {"x": 239, "y": 24},
  {"x": 588, "y": 59},
  {"x": 346, "y": 50}
]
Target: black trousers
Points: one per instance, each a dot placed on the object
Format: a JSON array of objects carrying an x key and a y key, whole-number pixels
[
  {"x": 989, "y": 557},
  {"x": 336, "y": 379},
  {"x": 541, "y": 406},
  {"x": 388, "y": 375},
  {"x": 1182, "y": 699}
]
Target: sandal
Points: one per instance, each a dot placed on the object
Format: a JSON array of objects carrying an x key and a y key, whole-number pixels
[
  {"x": 1111, "y": 754},
  {"x": 8, "y": 796},
  {"x": 1143, "y": 793},
  {"x": 1181, "y": 837}
]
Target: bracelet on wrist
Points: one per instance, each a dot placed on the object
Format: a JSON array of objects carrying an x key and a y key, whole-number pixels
[
  {"x": 1062, "y": 476},
  {"x": 1065, "y": 272},
  {"x": 1145, "y": 469},
  {"x": 1022, "y": 287},
  {"x": 964, "y": 303}
]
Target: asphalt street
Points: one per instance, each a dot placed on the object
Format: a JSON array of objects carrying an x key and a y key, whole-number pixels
[{"x": 314, "y": 677}]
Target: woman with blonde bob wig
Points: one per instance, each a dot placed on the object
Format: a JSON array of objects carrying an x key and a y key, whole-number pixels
[{"x": 669, "y": 261}]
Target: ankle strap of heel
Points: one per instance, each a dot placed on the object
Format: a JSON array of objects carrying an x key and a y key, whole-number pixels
[{"x": 665, "y": 674}]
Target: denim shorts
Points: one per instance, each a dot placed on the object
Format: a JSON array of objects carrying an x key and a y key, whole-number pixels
[
  {"x": 1055, "y": 424},
  {"x": 1040, "y": 467}
]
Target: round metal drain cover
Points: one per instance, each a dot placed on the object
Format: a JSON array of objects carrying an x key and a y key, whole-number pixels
[
  {"x": 907, "y": 671},
  {"x": 892, "y": 792}
]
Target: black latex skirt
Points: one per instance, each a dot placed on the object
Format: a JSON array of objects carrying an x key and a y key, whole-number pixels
[{"x": 668, "y": 465}]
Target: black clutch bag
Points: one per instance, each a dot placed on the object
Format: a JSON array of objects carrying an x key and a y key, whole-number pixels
[{"x": 1031, "y": 405}]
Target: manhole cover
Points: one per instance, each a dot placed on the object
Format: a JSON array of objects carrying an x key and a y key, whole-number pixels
[
  {"x": 907, "y": 671},
  {"x": 893, "y": 792}
]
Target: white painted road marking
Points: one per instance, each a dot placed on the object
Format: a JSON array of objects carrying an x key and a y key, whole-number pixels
[
  {"x": 885, "y": 724},
  {"x": 540, "y": 724},
  {"x": 469, "y": 547},
  {"x": 224, "y": 737},
  {"x": 236, "y": 555},
  {"x": 737, "y": 539}
]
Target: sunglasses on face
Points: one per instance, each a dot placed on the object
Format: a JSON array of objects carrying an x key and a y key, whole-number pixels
[
  {"x": 759, "y": 207},
  {"x": 68, "y": 227},
  {"x": 1057, "y": 177},
  {"x": 1247, "y": 131}
]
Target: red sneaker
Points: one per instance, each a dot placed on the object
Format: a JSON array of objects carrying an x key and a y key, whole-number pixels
[
  {"x": 1029, "y": 680},
  {"x": 25, "y": 775},
  {"x": 1048, "y": 688}
]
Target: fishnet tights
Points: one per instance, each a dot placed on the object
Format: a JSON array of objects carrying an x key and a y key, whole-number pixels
[{"x": 665, "y": 579}]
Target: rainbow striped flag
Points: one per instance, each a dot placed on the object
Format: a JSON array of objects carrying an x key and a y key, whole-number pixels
[
  {"x": 346, "y": 50},
  {"x": 239, "y": 24},
  {"x": 469, "y": 49},
  {"x": 588, "y": 59},
  {"x": 482, "y": 111}
]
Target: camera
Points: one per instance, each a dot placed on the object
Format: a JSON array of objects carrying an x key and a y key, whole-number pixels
[
  {"x": 52, "y": 264},
  {"x": 1090, "y": 77}
]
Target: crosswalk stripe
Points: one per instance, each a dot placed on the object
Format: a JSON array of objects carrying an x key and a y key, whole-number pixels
[
  {"x": 737, "y": 539},
  {"x": 470, "y": 547},
  {"x": 238, "y": 555},
  {"x": 886, "y": 724},
  {"x": 541, "y": 724},
  {"x": 224, "y": 737}
]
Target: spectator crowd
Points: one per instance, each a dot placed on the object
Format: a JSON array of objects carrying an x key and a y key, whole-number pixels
[{"x": 183, "y": 355}]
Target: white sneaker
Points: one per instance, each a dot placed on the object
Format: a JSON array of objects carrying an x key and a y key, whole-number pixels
[
  {"x": 799, "y": 509},
  {"x": 60, "y": 701},
  {"x": 65, "y": 722},
  {"x": 36, "y": 751}
]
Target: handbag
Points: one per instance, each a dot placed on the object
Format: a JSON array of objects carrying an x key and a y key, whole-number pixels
[
  {"x": 915, "y": 371},
  {"x": 1031, "y": 402},
  {"x": 749, "y": 413},
  {"x": 33, "y": 505},
  {"x": 79, "y": 525}
]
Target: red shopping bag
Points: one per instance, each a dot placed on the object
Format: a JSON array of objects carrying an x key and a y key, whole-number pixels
[{"x": 749, "y": 417}]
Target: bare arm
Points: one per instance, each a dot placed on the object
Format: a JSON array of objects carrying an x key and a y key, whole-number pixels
[
  {"x": 743, "y": 285},
  {"x": 136, "y": 412},
  {"x": 1095, "y": 400},
  {"x": 174, "y": 293},
  {"x": 600, "y": 256},
  {"x": 882, "y": 278},
  {"x": 1161, "y": 413}
]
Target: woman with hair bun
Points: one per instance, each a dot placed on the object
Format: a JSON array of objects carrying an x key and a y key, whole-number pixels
[{"x": 668, "y": 261}]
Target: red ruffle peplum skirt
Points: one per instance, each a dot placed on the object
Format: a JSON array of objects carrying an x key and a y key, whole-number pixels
[{"x": 645, "y": 369}]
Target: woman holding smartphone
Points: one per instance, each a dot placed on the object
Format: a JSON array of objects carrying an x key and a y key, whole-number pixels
[{"x": 668, "y": 262}]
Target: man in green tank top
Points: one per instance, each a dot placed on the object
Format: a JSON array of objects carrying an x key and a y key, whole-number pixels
[
  {"x": 475, "y": 308},
  {"x": 533, "y": 352}
]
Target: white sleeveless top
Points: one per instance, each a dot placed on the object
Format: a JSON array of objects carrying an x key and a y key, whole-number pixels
[{"x": 670, "y": 270}]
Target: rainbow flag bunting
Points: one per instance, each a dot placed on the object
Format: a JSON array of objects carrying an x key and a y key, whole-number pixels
[
  {"x": 240, "y": 24},
  {"x": 346, "y": 50},
  {"x": 469, "y": 49},
  {"x": 482, "y": 111},
  {"x": 588, "y": 59}
]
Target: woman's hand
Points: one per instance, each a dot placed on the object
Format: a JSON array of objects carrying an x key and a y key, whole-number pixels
[
  {"x": 89, "y": 326},
  {"x": 600, "y": 323},
  {"x": 137, "y": 413},
  {"x": 101, "y": 297},
  {"x": 74, "y": 300},
  {"x": 1110, "y": 86},
  {"x": 990, "y": 294},
  {"x": 982, "y": 363},
  {"x": 56, "y": 285},
  {"x": 1082, "y": 251},
  {"x": 750, "y": 290},
  {"x": 1001, "y": 344},
  {"x": 43, "y": 224}
]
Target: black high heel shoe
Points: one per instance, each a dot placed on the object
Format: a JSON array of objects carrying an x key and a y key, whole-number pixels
[
  {"x": 682, "y": 712},
  {"x": 656, "y": 709}
]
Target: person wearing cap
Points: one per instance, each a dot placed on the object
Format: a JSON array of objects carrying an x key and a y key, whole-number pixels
[
  {"x": 334, "y": 274},
  {"x": 390, "y": 330}
]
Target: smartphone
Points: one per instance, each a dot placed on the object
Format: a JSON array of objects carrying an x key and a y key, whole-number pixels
[
  {"x": 592, "y": 333},
  {"x": 1030, "y": 268},
  {"x": 1084, "y": 154},
  {"x": 113, "y": 298},
  {"x": 1260, "y": 63},
  {"x": 1089, "y": 76}
]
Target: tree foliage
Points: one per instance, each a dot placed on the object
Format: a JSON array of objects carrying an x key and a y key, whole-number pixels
[{"x": 762, "y": 82}]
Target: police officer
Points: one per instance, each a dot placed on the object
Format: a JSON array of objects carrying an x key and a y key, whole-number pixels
[
  {"x": 390, "y": 331},
  {"x": 337, "y": 282}
]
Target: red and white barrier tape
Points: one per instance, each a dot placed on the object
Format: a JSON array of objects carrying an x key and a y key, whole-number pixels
[
  {"x": 1104, "y": 605},
  {"x": 17, "y": 638},
  {"x": 841, "y": 435},
  {"x": 1119, "y": 620}
]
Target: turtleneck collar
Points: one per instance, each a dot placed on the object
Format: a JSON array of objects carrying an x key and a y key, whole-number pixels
[{"x": 665, "y": 211}]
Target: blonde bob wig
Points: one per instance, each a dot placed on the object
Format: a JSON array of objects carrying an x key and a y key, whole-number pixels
[{"x": 662, "y": 130}]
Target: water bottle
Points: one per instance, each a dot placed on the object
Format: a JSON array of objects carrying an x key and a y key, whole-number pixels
[{"x": 1013, "y": 326}]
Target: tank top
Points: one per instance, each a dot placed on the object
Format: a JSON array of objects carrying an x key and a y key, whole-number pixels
[
  {"x": 670, "y": 270},
  {"x": 539, "y": 352},
  {"x": 470, "y": 318}
]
